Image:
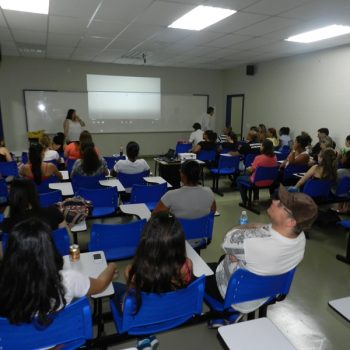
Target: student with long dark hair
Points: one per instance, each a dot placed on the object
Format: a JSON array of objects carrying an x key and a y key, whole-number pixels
[
  {"x": 91, "y": 164},
  {"x": 160, "y": 265},
  {"x": 33, "y": 282},
  {"x": 36, "y": 169}
]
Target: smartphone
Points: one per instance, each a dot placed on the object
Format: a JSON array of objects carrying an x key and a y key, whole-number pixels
[{"x": 97, "y": 257}]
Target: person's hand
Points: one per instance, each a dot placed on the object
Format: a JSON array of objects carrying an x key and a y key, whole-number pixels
[
  {"x": 232, "y": 258},
  {"x": 293, "y": 189}
]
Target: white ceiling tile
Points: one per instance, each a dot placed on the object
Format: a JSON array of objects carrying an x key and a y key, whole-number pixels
[
  {"x": 231, "y": 4},
  {"x": 26, "y": 21},
  {"x": 94, "y": 42},
  {"x": 10, "y": 52},
  {"x": 73, "y": 8},
  {"x": 121, "y": 10},
  {"x": 2, "y": 20},
  {"x": 228, "y": 40},
  {"x": 253, "y": 43},
  {"x": 140, "y": 31},
  {"x": 200, "y": 38},
  {"x": 65, "y": 40},
  {"x": 5, "y": 34},
  {"x": 8, "y": 45},
  {"x": 273, "y": 7},
  {"x": 67, "y": 25},
  {"x": 105, "y": 28},
  {"x": 84, "y": 54},
  {"x": 171, "y": 35},
  {"x": 26, "y": 36},
  {"x": 123, "y": 44},
  {"x": 59, "y": 52},
  {"x": 108, "y": 56}
]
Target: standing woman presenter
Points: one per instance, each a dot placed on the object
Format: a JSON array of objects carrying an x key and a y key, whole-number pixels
[{"x": 72, "y": 126}]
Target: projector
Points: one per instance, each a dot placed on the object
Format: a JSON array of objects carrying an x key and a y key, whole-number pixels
[{"x": 187, "y": 156}]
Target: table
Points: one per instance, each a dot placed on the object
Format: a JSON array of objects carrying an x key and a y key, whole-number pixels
[
  {"x": 342, "y": 306},
  {"x": 156, "y": 180},
  {"x": 138, "y": 209},
  {"x": 113, "y": 182},
  {"x": 299, "y": 174},
  {"x": 259, "y": 334},
  {"x": 65, "y": 187},
  {"x": 200, "y": 267},
  {"x": 65, "y": 174}
]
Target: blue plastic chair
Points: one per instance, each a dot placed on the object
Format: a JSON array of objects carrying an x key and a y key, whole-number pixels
[
  {"x": 50, "y": 198},
  {"x": 70, "y": 164},
  {"x": 4, "y": 194},
  {"x": 118, "y": 241},
  {"x": 317, "y": 189},
  {"x": 228, "y": 165},
  {"x": 44, "y": 185},
  {"x": 345, "y": 259},
  {"x": 342, "y": 192},
  {"x": 160, "y": 312},
  {"x": 183, "y": 148},
  {"x": 71, "y": 327},
  {"x": 62, "y": 240},
  {"x": 293, "y": 169},
  {"x": 8, "y": 169},
  {"x": 92, "y": 182},
  {"x": 200, "y": 229},
  {"x": 248, "y": 159},
  {"x": 104, "y": 200},
  {"x": 148, "y": 194},
  {"x": 24, "y": 157},
  {"x": 282, "y": 153},
  {"x": 128, "y": 180},
  {"x": 246, "y": 286},
  {"x": 111, "y": 161},
  {"x": 207, "y": 156}
]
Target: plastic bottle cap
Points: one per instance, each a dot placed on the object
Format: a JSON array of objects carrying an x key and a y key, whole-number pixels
[{"x": 244, "y": 212}]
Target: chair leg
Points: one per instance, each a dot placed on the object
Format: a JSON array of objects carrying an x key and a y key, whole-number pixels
[
  {"x": 263, "y": 311},
  {"x": 251, "y": 316},
  {"x": 342, "y": 258}
]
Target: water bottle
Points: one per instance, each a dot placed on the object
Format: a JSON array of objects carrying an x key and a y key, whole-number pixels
[
  {"x": 243, "y": 218},
  {"x": 121, "y": 151}
]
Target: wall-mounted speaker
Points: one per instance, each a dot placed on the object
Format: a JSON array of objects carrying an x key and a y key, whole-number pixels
[{"x": 250, "y": 69}]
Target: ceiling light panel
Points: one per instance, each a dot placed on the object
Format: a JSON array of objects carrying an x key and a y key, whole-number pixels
[{"x": 33, "y": 6}]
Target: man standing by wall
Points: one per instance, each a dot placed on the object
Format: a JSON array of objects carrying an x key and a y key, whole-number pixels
[{"x": 208, "y": 120}]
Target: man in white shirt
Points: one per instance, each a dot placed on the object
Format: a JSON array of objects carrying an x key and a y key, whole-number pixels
[
  {"x": 208, "y": 120},
  {"x": 197, "y": 135},
  {"x": 266, "y": 249}
]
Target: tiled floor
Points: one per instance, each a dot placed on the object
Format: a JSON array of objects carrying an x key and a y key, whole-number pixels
[{"x": 304, "y": 317}]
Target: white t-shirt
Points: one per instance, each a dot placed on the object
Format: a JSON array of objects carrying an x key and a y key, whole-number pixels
[
  {"x": 127, "y": 167},
  {"x": 262, "y": 251},
  {"x": 76, "y": 285},
  {"x": 51, "y": 155},
  {"x": 74, "y": 130},
  {"x": 196, "y": 137},
  {"x": 285, "y": 140},
  {"x": 207, "y": 122}
]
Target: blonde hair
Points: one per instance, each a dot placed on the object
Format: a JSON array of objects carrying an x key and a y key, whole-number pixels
[{"x": 45, "y": 141}]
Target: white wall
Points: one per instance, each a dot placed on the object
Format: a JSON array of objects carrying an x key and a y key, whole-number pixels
[
  {"x": 304, "y": 92},
  {"x": 17, "y": 74}
]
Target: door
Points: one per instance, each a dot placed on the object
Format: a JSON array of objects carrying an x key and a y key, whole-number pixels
[{"x": 235, "y": 113}]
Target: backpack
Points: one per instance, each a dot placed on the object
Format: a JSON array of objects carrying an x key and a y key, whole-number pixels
[{"x": 75, "y": 209}]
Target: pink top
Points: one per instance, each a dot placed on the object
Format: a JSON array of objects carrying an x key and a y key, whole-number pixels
[{"x": 265, "y": 161}]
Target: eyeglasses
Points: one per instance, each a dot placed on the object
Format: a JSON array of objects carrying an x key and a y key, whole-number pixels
[{"x": 281, "y": 205}]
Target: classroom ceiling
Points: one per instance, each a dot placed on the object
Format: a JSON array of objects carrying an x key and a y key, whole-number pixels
[{"x": 134, "y": 31}]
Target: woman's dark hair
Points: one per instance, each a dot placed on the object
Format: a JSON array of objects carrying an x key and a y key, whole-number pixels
[
  {"x": 30, "y": 282},
  {"x": 70, "y": 114},
  {"x": 210, "y": 110},
  {"x": 254, "y": 128},
  {"x": 23, "y": 196},
  {"x": 211, "y": 135},
  {"x": 191, "y": 169},
  {"x": 159, "y": 257},
  {"x": 196, "y": 126},
  {"x": 267, "y": 148},
  {"x": 348, "y": 138},
  {"x": 90, "y": 160},
  {"x": 132, "y": 150},
  {"x": 35, "y": 159},
  {"x": 232, "y": 136},
  {"x": 328, "y": 162},
  {"x": 302, "y": 140},
  {"x": 273, "y": 132},
  {"x": 284, "y": 130},
  {"x": 323, "y": 131},
  {"x": 307, "y": 137}
]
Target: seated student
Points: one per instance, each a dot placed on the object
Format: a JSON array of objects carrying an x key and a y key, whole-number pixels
[
  {"x": 24, "y": 204},
  {"x": 36, "y": 169},
  {"x": 344, "y": 150},
  {"x": 325, "y": 169},
  {"x": 49, "y": 154},
  {"x": 262, "y": 133},
  {"x": 58, "y": 143},
  {"x": 321, "y": 133},
  {"x": 264, "y": 249},
  {"x": 208, "y": 143},
  {"x": 5, "y": 155},
  {"x": 160, "y": 265},
  {"x": 251, "y": 144},
  {"x": 299, "y": 154},
  {"x": 131, "y": 165},
  {"x": 197, "y": 135},
  {"x": 73, "y": 150},
  {"x": 40, "y": 287},
  {"x": 230, "y": 145},
  {"x": 267, "y": 158},
  {"x": 192, "y": 200},
  {"x": 272, "y": 136},
  {"x": 223, "y": 137},
  {"x": 284, "y": 138},
  {"x": 91, "y": 164}
]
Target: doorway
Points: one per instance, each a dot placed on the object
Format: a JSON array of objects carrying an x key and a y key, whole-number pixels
[{"x": 235, "y": 113}]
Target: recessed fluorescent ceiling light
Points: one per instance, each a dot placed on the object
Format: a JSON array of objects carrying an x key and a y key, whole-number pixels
[
  {"x": 33, "y": 6},
  {"x": 201, "y": 17},
  {"x": 320, "y": 34}
]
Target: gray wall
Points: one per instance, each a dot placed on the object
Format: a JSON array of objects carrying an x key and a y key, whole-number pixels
[
  {"x": 17, "y": 74},
  {"x": 304, "y": 92}
]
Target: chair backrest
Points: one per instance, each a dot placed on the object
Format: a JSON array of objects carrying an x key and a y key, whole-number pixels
[
  {"x": 148, "y": 193},
  {"x": 247, "y": 286},
  {"x": 110, "y": 161},
  {"x": 229, "y": 162},
  {"x": 69, "y": 164},
  {"x": 183, "y": 148},
  {"x": 93, "y": 182},
  {"x": 160, "y": 312},
  {"x": 293, "y": 169},
  {"x": 8, "y": 169},
  {"x": 44, "y": 185},
  {"x": 62, "y": 241},
  {"x": 50, "y": 198},
  {"x": 24, "y": 157},
  {"x": 118, "y": 241},
  {"x": 71, "y": 327},
  {"x": 100, "y": 197},
  {"x": 343, "y": 188},
  {"x": 3, "y": 191},
  {"x": 265, "y": 176},
  {"x": 198, "y": 228},
  {"x": 52, "y": 161},
  {"x": 128, "y": 180},
  {"x": 206, "y": 155},
  {"x": 248, "y": 159},
  {"x": 317, "y": 188}
]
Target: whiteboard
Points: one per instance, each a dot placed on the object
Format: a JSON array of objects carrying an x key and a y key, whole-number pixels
[{"x": 178, "y": 113}]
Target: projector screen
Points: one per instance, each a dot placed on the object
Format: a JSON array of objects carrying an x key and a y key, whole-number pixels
[{"x": 127, "y": 111}]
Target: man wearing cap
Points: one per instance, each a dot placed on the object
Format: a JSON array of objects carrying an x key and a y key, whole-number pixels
[{"x": 266, "y": 249}]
